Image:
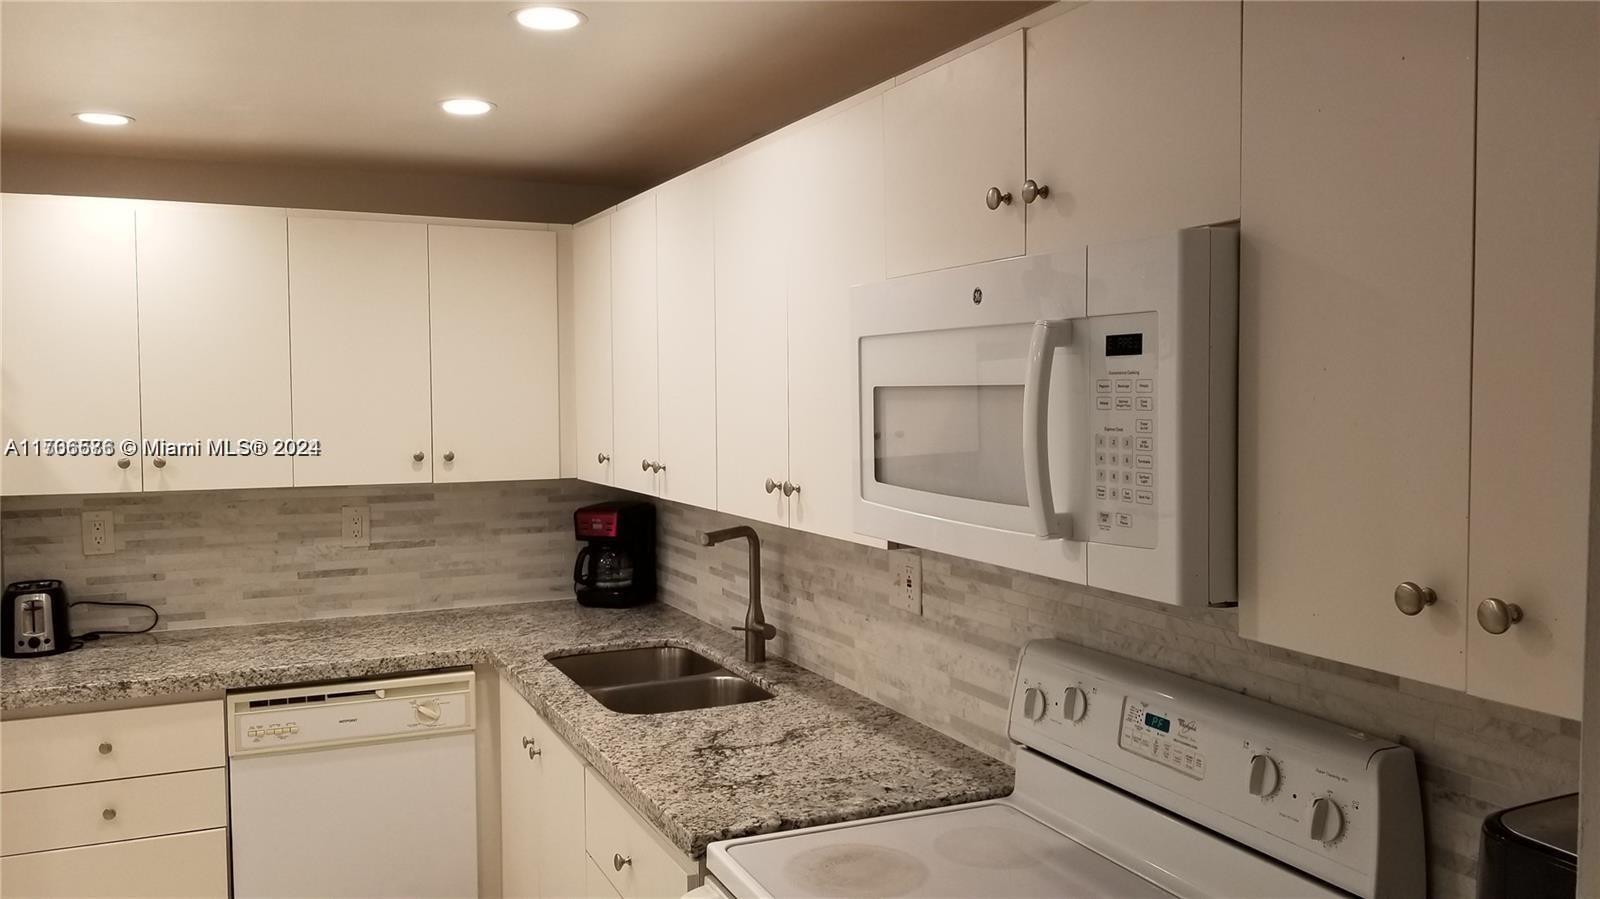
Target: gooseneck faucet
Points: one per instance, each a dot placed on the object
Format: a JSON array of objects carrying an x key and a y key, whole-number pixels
[{"x": 756, "y": 629}]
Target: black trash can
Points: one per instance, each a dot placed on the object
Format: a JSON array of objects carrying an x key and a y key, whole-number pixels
[{"x": 1531, "y": 851}]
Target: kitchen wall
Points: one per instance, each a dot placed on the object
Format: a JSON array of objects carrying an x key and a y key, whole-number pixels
[
  {"x": 302, "y": 186},
  {"x": 951, "y": 667},
  {"x": 236, "y": 557}
]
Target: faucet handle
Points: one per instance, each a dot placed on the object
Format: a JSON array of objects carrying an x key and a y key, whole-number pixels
[{"x": 766, "y": 631}]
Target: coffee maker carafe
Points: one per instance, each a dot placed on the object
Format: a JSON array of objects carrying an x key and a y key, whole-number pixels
[{"x": 616, "y": 567}]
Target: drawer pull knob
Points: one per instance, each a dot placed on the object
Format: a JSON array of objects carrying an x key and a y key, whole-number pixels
[
  {"x": 109, "y": 814},
  {"x": 619, "y": 861},
  {"x": 105, "y": 748},
  {"x": 123, "y": 464},
  {"x": 532, "y": 747},
  {"x": 1496, "y": 615},
  {"x": 1411, "y": 598}
]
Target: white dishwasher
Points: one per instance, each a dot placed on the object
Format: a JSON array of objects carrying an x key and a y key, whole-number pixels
[{"x": 359, "y": 790}]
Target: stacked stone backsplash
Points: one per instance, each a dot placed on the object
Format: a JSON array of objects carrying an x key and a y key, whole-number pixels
[
  {"x": 213, "y": 558},
  {"x": 952, "y": 666}
]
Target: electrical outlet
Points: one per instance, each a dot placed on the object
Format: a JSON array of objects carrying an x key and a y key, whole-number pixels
[
  {"x": 357, "y": 521},
  {"x": 98, "y": 537},
  {"x": 905, "y": 566}
]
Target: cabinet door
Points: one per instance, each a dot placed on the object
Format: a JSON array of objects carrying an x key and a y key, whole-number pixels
[
  {"x": 591, "y": 340},
  {"x": 182, "y": 866},
  {"x": 837, "y": 242},
  {"x": 69, "y": 342},
  {"x": 563, "y": 863},
  {"x": 752, "y": 228},
  {"x": 214, "y": 340},
  {"x": 633, "y": 344},
  {"x": 1355, "y": 330},
  {"x": 358, "y": 303},
  {"x": 1533, "y": 354},
  {"x": 949, "y": 135},
  {"x": 1133, "y": 121},
  {"x": 520, "y": 799},
  {"x": 687, "y": 325},
  {"x": 492, "y": 299}
]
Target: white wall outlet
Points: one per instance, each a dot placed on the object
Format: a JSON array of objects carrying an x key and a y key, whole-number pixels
[
  {"x": 905, "y": 566},
  {"x": 357, "y": 524},
  {"x": 98, "y": 537}
]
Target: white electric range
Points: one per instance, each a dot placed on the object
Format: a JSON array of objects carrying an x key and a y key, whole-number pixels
[{"x": 1131, "y": 783}]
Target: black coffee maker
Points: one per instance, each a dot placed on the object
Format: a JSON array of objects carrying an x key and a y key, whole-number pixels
[{"x": 616, "y": 567}]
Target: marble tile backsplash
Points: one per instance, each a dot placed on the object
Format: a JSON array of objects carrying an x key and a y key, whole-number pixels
[
  {"x": 213, "y": 558},
  {"x": 951, "y": 666}
]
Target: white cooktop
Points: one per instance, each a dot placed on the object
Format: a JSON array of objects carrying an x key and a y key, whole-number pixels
[{"x": 976, "y": 850}]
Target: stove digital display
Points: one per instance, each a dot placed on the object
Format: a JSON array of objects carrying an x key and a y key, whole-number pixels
[{"x": 1156, "y": 722}]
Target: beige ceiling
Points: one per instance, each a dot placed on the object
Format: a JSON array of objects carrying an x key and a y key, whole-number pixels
[{"x": 643, "y": 91}]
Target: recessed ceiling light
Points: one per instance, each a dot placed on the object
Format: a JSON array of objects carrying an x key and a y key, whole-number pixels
[
  {"x": 103, "y": 118},
  {"x": 549, "y": 18},
  {"x": 465, "y": 106}
]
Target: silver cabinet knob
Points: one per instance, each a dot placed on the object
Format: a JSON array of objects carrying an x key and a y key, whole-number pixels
[
  {"x": 1263, "y": 776},
  {"x": 449, "y": 455},
  {"x": 644, "y": 464},
  {"x": 1032, "y": 190},
  {"x": 529, "y": 744},
  {"x": 160, "y": 463},
  {"x": 123, "y": 464},
  {"x": 657, "y": 467},
  {"x": 790, "y": 489},
  {"x": 1411, "y": 598},
  {"x": 995, "y": 198},
  {"x": 109, "y": 814},
  {"x": 418, "y": 456},
  {"x": 105, "y": 748},
  {"x": 602, "y": 458},
  {"x": 1496, "y": 616},
  {"x": 771, "y": 485},
  {"x": 620, "y": 861}
]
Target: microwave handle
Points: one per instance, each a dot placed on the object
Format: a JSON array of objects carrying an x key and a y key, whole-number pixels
[{"x": 1048, "y": 336}]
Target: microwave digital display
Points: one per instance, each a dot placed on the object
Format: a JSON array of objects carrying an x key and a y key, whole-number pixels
[{"x": 1124, "y": 344}]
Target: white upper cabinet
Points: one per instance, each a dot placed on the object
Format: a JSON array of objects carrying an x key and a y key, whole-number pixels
[
  {"x": 591, "y": 341},
  {"x": 950, "y": 135},
  {"x": 358, "y": 298},
  {"x": 492, "y": 300},
  {"x": 214, "y": 340},
  {"x": 633, "y": 345},
  {"x": 836, "y": 242},
  {"x": 1532, "y": 354},
  {"x": 70, "y": 353},
  {"x": 1133, "y": 121},
  {"x": 753, "y": 222},
  {"x": 1355, "y": 337},
  {"x": 686, "y": 328}
]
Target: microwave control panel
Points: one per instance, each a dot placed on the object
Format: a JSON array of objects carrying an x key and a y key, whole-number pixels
[{"x": 1125, "y": 493}]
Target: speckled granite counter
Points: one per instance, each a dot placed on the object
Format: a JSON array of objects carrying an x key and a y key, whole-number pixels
[{"x": 813, "y": 754}]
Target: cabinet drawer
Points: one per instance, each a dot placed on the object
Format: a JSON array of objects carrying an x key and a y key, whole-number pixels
[
  {"x": 69, "y": 749},
  {"x": 185, "y": 865},
  {"x": 650, "y": 866},
  {"x": 596, "y": 886},
  {"x": 60, "y": 817}
]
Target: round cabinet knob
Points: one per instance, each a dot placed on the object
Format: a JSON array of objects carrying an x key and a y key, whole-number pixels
[
  {"x": 657, "y": 467},
  {"x": 1496, "y": 615},
  {"x": 771, "y": 485},
  {"x": 1327, "y": 820},
  {"x": 109, "y": 814},
  {"x": 1032, "y": 190},
  {"x": 123, "y": 464},
  {"x": 418, "y": 456},
  {"x": 644, "y": 464},
  {"x": 620, "y": 861},
  {"x": 1411, "y": 599},
  {"x": 449, "y": 455},
  {"x": 602, "y": 458},
  {"x": 428, "y": 711},
  {"x": 1033, "y": 703},
  {"x": 105, "y": 748},
  {"x": 790, "y": 489},
  {"x": 1263, "y": 775},
  {"x": 1074, "y": 704},
  {"x": 160, "y": 463},
  {"x": 995, "y": 198},
  {"x": 533, "y": 748}
]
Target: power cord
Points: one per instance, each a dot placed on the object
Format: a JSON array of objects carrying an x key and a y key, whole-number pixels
[{"x": 95, "y": 635}]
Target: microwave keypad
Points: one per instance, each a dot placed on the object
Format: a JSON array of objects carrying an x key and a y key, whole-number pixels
[{"x": 1124, "y": 490}]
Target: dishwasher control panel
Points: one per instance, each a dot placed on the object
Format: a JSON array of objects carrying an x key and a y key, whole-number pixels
[{"x": 352, "y": 712}]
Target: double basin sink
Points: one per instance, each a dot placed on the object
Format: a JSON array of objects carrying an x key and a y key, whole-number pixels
[{"x": 656, "y": 679}]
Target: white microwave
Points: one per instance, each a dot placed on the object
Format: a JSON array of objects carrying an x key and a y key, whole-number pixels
[{"x": 1071, "y": 415}]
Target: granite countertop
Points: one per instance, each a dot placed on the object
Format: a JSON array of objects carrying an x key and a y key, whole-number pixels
[{"x": 815, "y": 753}]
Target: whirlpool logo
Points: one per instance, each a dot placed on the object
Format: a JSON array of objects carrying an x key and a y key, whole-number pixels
[{"x": 1187, "y": 726}]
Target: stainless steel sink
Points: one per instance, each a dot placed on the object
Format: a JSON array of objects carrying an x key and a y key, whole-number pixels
[{"x": 656, "y": 679}]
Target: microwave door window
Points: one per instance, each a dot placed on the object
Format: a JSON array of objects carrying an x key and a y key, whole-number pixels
[{"x": 960, "y": 441}]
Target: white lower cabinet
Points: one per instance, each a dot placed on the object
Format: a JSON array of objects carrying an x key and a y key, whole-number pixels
[
  {"x": 638, "y": 862},
  {"x": 179, "y": 866},
  {"x": 596, "y": 886}
]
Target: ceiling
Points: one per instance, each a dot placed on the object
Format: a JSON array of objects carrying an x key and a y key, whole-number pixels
[{"x": 642, "y": 91}]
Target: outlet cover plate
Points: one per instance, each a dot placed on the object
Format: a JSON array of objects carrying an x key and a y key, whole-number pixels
[
  {"x": 355, "y": 526},
  {"x": 99, "y": 538},
  {"x": 905, "y": 570}
]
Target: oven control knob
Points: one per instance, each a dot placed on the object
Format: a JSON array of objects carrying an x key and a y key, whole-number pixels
[
  {"x": 1327, "y": 819},
  {"x": 1263, "y": 775},
  {"x": 428, "y": 711},
  {"x": 1074, "y": 704},
  {"x": 1033, "y": 703}
]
